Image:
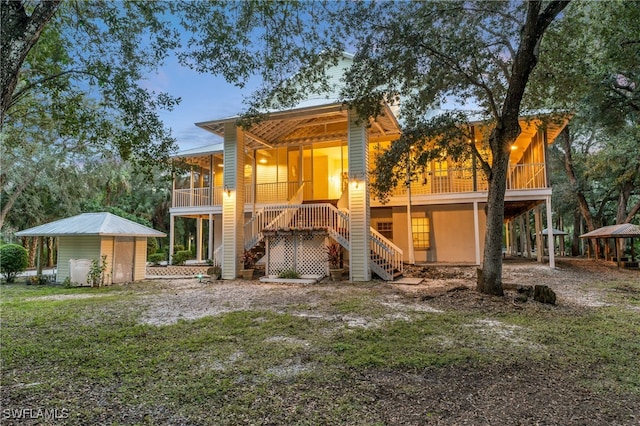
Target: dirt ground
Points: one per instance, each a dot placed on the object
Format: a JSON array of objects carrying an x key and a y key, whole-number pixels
[{"x": 520, "y": 394}]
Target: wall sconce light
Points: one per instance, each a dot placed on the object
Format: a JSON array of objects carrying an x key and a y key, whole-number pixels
[
  {"x": 227, "y": 190},
  {"x": 356, "y": 178}
]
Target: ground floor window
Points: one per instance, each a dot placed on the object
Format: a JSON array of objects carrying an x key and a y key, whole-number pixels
[
  {"x": 420, "y": 230},
  {"x": 386, "y": 229}
]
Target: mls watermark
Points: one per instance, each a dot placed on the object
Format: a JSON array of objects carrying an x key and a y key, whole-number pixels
[{"x": 35, "y": 413}]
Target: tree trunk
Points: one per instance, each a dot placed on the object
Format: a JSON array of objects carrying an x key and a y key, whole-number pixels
[
  {"x": 575, "y": 237},
  {"x": 19, "y": 32},
  {"x": 490, "y": 281},
  {"x": 505, "y": 133}
]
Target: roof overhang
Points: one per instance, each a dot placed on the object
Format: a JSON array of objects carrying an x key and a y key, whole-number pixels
[{"x": 319, "y": 123}]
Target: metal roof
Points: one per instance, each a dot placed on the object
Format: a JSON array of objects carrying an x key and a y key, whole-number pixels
[
  {"x": 556, "y": 232},
  {"x": 625, "y": 230},
  {"x": 106, "y": 224}
]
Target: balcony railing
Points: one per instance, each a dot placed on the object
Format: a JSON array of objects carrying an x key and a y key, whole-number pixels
[
  {"x": 453, "y": 180},
  {"x": 456, "y": 180}
]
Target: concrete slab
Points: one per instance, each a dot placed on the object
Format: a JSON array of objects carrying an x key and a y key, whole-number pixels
[{"x": 409, "y": 280}]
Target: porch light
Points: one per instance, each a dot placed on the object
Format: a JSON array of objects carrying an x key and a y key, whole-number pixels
[
  {"x": 513, "y": 147},
  {"x": 227, "y": 190}
]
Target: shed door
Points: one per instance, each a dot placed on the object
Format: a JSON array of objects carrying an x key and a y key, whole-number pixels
[{"x": 123, "y": 255}]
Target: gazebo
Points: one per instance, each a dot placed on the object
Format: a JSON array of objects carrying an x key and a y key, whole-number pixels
[
  {"x": 92, "y": 236},
  {"x": 555, "y": 233},
  {"x": 617, "y": 232}
]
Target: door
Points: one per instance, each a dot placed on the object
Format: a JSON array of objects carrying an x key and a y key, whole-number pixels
[{"x": 123, "y": 256}]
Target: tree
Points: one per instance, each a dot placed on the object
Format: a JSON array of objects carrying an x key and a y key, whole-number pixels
[
  {"x": 596, "y": 74},
  {"x": 58, "y": 51},
  {"x": 427, "y": 57},
  {"x": 420, "y": 51}
]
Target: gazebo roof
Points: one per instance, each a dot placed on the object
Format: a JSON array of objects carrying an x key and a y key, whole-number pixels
[
  {"x": 556, "y": 232},
  {"x": 625, "y": 230},
  {"x": 105, "y": 224}
]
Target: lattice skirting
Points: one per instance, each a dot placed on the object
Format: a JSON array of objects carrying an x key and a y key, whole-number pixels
[{"x": 303, "y": 253}]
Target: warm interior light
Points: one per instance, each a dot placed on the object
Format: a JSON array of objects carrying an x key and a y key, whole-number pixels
[
  {"x": 513, "y": 147},
  {"x": 263, "y": 160}
]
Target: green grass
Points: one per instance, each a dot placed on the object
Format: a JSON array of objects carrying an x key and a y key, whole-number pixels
[{"x": 94, "y": 356}]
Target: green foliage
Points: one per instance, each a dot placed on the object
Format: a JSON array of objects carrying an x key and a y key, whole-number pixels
[
  {"x": 13, "y": 260},
  {"x": 181, "y": 256},
  {"x": 96, "y": 272},
  {"x": 156, "y": 258},
  {"x": 289, "y": 273},
  {"x": 177, "y": 248},
  {"x": 152, "y": 245}
]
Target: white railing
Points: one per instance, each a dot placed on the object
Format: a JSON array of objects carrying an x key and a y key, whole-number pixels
[
  {"x": 455, "y": 180},
  {"x": 268, "y": 215},
  {"x": 195, "y": 197},
  {"x": 527, "y": 176},
  {"x": 276, "y": 191},
  {"x": 386, "y": 257}
]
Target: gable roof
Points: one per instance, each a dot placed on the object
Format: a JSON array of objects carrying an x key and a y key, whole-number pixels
[{"x": 105, "y": 224}]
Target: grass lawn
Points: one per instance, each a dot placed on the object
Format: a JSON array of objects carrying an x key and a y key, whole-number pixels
[{"x": 370, "y": 356}]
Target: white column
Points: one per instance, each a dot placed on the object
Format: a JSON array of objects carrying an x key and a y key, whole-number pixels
[
  {"x": 550, "y": 239},
  {"x": 172, "y": 221},
  {"x": 232, "y": 201},
  {"x": 210, "y": 248},
  {"x": 537, "y": 215},
  {"x": 359, "y": 208},
  {"x": 476, "y": 231},
  {"x": 199, "y": 239}
]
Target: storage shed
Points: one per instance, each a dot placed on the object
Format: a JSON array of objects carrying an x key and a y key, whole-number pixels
[{"x": 90, "y": 236}]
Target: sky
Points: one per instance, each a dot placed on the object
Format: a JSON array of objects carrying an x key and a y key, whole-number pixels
[{"x": 204, "y": 97}]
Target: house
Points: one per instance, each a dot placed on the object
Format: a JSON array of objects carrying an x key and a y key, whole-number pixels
[
  {"x": 90, "y": 236},
  {"x": 302, "y": 176}
]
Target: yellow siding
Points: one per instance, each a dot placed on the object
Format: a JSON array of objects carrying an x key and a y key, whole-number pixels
[
  {"x": 140, "y": 259},
  {"x": 76, "y": 247},
  {"x": 106, "y": 249}
]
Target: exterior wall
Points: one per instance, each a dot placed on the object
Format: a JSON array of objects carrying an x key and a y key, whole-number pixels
[
  {"x": 452, "y": 231},
  {"x": 140, "y": 259},
  {"x": 107, "y": 247},
  {"x": 75, "y": 247}
]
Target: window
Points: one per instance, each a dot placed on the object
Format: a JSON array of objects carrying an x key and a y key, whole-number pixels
[
  {"x": 420, "y": 230},
  {"x": 386, "y": 229}
]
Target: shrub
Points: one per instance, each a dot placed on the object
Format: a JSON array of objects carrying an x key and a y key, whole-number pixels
[
  {"x": 156, "y": 258},
  {"x": 152, "y": 245},
  {"x": 178, "y": 248},
  {"x": 289, "y": 273},
  {"x": 181, "y": 256},
  {"x": 13, "y": 260}
]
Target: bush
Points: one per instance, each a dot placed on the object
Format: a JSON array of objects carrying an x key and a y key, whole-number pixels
[
  {"x": 152, "y": 245},
  {"x": 289, "y": 273},
  {"x": 156, "y": 258},
  {"x": 178, "y": 248},
  {"x": 13, "y": 260},
  {"x": 181, "y": 256}
]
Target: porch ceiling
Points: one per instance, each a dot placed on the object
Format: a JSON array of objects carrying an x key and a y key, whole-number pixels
[
  {"x": 514, "y": 209},
  {"x": 304, "y": 126}
]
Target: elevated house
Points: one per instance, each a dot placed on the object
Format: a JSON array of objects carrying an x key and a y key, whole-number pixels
[{"x": 301, "y": 177}]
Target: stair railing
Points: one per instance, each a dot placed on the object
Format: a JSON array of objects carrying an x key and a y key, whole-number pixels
[{"x": 386, "y": 257}]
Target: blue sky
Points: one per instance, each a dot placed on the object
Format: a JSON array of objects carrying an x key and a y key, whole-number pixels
[{"x": 204, "y": 97}]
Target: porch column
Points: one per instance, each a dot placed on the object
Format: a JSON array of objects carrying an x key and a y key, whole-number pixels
[
  {"x": 537, "y": 216},
  {"x": 359, "y": 207},
  {"x": 232, "y": 201},
  {"x": 210, "y": 245},
  {"x": 476, "y": 231},
  {"x": 199, "y": 239},
  {"x": 550, "y": 239},
  {"x": 172, "y": 222}
]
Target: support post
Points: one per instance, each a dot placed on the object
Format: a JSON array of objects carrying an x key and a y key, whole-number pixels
[
  {"x": 552, "y": 259},
  {"x": 476, "y": 231},
  {"x": 199, "y": 238},
  {"x": 232, "y": 201},
  {"x": 172, "y": 236},
  {"x": 359, "y": 208},
  {"x": 537, "y": 216}
]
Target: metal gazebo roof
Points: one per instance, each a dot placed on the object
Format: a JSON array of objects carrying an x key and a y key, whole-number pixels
[
  {"x": 625, "y": 230},
  {"x": 555, "y": 232},
  {"x": 105, "y": 224}
]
